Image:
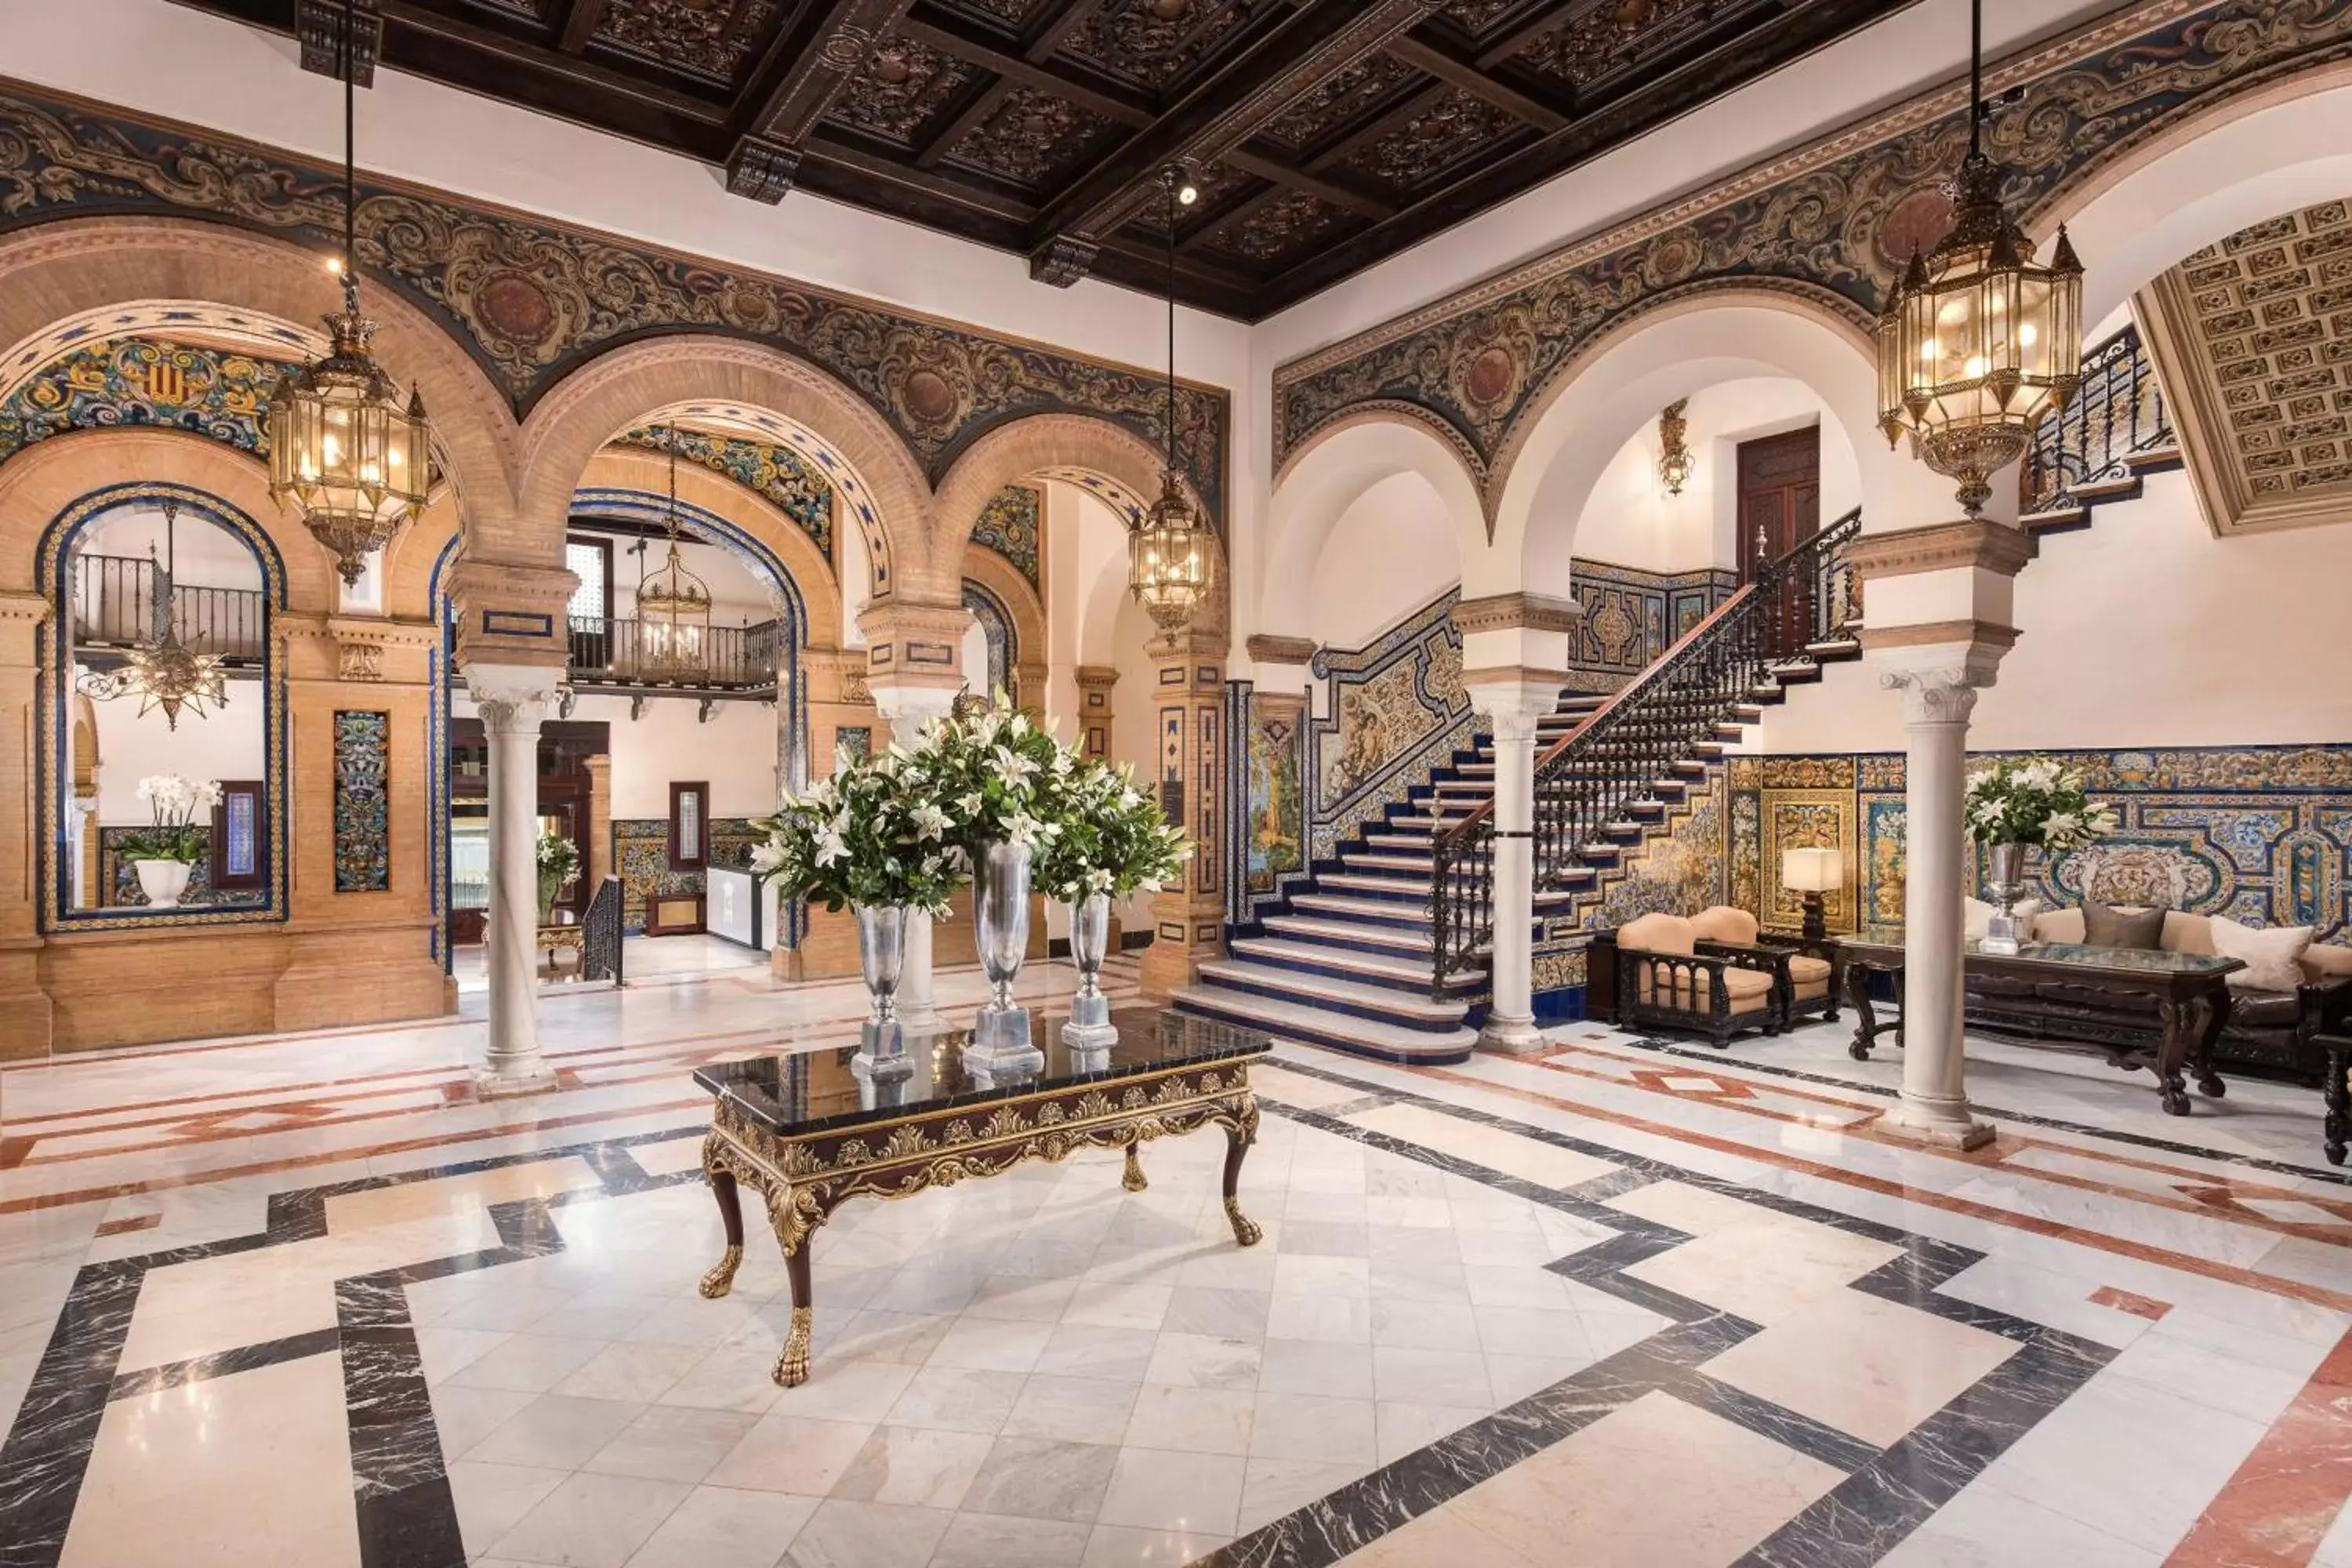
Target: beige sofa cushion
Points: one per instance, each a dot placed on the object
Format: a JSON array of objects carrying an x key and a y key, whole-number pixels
[
  {"x": 1658, "y": 934},
  {"x": 2058, "y": 925},
  {"x": 2325, "y": 961},
  {"x": 1749, "y": 990},
  {"x": 1721, "y": 922},
  {"x": 2185, "y": 933},
  {"x": 2272, "y": 956}
]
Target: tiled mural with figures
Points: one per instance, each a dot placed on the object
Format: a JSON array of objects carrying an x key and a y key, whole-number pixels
[
  {"x": 1273, "y": 828},
  {"x": 641, "y": 859},
  {"x": 1392, "y": 709},
  {"x": 2262, "y": 834}
]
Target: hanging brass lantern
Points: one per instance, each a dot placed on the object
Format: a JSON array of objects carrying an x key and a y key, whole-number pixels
[
  {"x": 673, "y": 608},
  {"x": 1978, "y": 344},
  {"x": 162, "y": 671},
  {"x": 343, "y": 452},
  {"x": 1170, "y": 551}
]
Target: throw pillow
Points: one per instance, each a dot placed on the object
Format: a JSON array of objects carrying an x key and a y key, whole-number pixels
[
  {"x": 2270, "y": 955},
  {"x": 2106, "y": 925}
]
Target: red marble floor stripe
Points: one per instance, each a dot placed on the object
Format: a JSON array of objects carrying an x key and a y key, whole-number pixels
[
  {"x": 130, "y": 1222},
  {"x": 331, "y": 1156},
  {"x": 2277, "y": 1510},
  {"x": 243, "y": 1043},
  {"x": 2229, "y": 1273},
  {"x": 2138, "y": 1306}
]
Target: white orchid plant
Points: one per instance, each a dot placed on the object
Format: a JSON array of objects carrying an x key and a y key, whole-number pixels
[
  {"x": 872, "y": 834},
  {"x": 180, "y": 813},
  {"x": 1114, "y": 839},
  {"x": 2033, "y": 801},
  {"x": 998, "y": 776}
]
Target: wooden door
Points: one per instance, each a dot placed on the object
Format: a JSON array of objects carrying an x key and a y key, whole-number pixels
[{"x": 1779, "y": 509}]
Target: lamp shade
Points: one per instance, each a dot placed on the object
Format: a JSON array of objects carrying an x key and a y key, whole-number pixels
[{"x": 1813, "y": 870}]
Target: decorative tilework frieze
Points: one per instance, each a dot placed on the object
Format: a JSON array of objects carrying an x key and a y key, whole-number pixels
[
  {"x": 531, "y": 299},
  {"x": 362, "y": 806},
  {"x": 778, "y": 474},
  {"x": 1009, "y": 525},
  {"x": 1679, "y": 871},
  {"x": 1392, "y": 709},
  {"x": 641, "y": 859},
  {"x": 141, "y": 382},
  {"x": 1831, "y": 224}
]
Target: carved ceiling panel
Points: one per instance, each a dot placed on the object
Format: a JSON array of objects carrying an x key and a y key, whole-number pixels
[
  {"x": 1040, "y": 126},
  {"x": 705, "y": 38},
  {"x": 2253, "y": 337},
  {"x": 903, "y": 89}
]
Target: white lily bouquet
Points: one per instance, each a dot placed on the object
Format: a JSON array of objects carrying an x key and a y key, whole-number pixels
[
  {"x": 998, "y": 776},
  {"x": 174, "y": 806},
  {"x": 1113, "y": 839},
  {"x": 2034, "y": 802},
  {"x": 872, "y": 836}
]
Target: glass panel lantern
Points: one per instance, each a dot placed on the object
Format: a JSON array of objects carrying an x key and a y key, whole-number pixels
[
  {"x": 673, "y": 620},
  {"x": 1167, "y": 559},
  {"x": 343, "y": 452}
]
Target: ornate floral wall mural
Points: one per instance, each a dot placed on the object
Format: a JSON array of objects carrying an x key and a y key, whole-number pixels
[
  {"x": 778, "y": 474},
  {"x": 532, "y": 299},
  {"x": 641, "y": 859},
  {"x": 142, "y": 382},
  {"x": 1009, "y": 524},
  {"x": 1832, "y": 224},
  {"x": 1274, "y": 832},
  {"x": 363, "y": 809}
]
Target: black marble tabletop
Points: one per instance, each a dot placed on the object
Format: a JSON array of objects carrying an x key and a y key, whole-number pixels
[
  {"x": 1876, "y": 945},
  {"x": 826, "y": 1085}
]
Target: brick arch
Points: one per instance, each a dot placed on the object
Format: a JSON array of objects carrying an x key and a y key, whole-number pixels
[
  {"x": 1032, "y": 447},
  {"x": 60, "y": 270},
  {"x": 630, "y": 385}
]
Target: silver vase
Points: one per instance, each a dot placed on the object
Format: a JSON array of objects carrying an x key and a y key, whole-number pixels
[
  {"x": 881, "y": 957},
  {"x": 1000, "y": 914},
  {"x": 2005, "y": 880},
  {"x": 1089, "y": 1028}
]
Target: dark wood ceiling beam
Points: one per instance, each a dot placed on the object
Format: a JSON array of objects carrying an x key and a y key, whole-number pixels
[
  {"x": 1446, "y": 67},
  {"x": 1283, "y": 65},
  {"x": 415, "y": 23},
  {"x": 819, "y": 56},
  {"x": 1040, "y": 46},
  {"x": 965, "y": 121},
  {"x": 1529, "y": 31},
  {"x": 934, "y": 188},
  {"x": 1286, "y": 177},
  {"x": 579, "y": 23},
  {"x": 1199, "y": 238},
  {"x": 967, "y": 44},
  {"x": 1401, "y": 115}
]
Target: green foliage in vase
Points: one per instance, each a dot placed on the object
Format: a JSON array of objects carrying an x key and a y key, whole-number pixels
[
  {"x": 558, "y": 859},
  {"x": 997, "y": 777},
  {"x": 173, "y": 832},
  {"x": 872, "y": 835},
  {"x": 2033, "y": 801},
  {"x": 1113, "y": 839}
]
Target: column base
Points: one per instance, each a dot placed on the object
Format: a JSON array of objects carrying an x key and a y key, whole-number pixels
[
  {"x": 1512, "y": 1036},
  {"x": 1937, "y": 1126},
  {"x": 489, "y": 1084}
]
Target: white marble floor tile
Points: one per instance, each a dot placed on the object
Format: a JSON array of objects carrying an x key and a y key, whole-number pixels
[
  {"x": 913, "y": 1465},
  {"x": 555, "y": 1432},
  {"x": 1193, "y": 1494},
  {"x": 592, "y": 1522},
  {"x": 672, "y": 1443},
  {"x": 1190, "y": 1420},
  {"x": 997, "y": 1540},
  {"x": 846, "y": 1534},
  {"x": 1038, "y": 1477},
  {"x": 795, "y": 1454}
]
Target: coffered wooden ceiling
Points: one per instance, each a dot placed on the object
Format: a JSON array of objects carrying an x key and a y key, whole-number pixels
[{"x": 1324, "y": 135}]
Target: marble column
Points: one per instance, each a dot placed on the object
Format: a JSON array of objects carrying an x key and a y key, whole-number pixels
[
  {"x": 1936, "y": 702},
  {"x": 1513, "y": 708},
  {"x": 512, "y": 706},
  {"x": 908, "y": 709}
]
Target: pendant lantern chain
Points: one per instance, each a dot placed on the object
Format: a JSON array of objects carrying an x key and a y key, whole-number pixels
[
  {"x": 1168, "y": 555},
  {"x": 673, "y": 603}
]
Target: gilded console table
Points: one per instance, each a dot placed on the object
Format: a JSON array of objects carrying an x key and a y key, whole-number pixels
[
  {"x": 2187, "y": 996},
  {"x": 811, "y": 1128}
]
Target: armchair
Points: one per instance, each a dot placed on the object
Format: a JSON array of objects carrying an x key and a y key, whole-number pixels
[
  {"x": 1666, "y": 976},
  {"x": 1807, "y": 984}
]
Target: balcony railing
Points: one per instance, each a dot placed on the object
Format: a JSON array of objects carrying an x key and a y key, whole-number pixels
[
  {"x": 117, "y": 602},
  {"x": 2114, "y": 422},
  {"x": 735, "y": 658}
]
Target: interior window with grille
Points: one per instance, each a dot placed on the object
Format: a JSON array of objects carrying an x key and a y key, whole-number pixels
[{"x": 591, "y": 561}]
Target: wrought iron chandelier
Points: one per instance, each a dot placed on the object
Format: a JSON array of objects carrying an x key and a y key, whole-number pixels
[
  {"x": 1674, "y": 460},
  {"x": 1169, "y": 550},
  {"x": 1977, "y": 343},
  {"x": 342, "y": 451},
  {"x": 673, "y": 605},
  {"x": 162, "y": 671}
]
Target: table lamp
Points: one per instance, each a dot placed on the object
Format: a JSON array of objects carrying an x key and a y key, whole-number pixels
[{"x": 1813, "y": 872}]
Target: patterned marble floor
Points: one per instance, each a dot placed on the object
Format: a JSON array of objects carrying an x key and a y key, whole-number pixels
[{"x": 304, "y": 1301}]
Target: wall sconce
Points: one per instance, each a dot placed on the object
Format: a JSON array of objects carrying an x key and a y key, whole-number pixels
[
  {"x": 1674, "y": 461},
  {"x": 1813, "y": 872}
]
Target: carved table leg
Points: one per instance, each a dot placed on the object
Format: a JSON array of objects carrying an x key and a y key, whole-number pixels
[
  {"x": 1134, "y": 1181},
  {"x": 2182, "y": 1017},
  {"x": 721, "y": 1278},
  {"x": 2201, "y": 1047},
  {"x": 1865, "y": 1019},
  {"x": 2337, "y": 1094},
  {"x": 1238, "y": 1138},
  {"x": 792, "y": 1365}
]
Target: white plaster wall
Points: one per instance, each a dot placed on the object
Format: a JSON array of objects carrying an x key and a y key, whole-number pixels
[
  {"x": 1390, "y": 552},
  {"x": 226, "y": 743},
  {"x": 735, "y": 753},
  {"x": 207, "y": 556},
  {"x": 2143, "y": 630},
  {"x": 735, "y": 594}
]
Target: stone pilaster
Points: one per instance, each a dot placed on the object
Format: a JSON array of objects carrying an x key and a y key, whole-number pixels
[
  {"x": 1189, "y": 753},
  {"x": 1095, "y": 710},
  {"x": 25, "y": 1015}
]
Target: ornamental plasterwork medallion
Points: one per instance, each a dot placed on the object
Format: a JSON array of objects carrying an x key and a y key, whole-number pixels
[
  {"x": 708, "y": 37},
  {"x": 1032, "y": 138},
  {"x": 1341, "y": 98},
  {"x": 2253, "y": 341},
  {"x": 903, "y": 87}
]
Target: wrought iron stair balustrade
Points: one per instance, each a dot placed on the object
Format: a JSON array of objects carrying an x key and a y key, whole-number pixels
[
  {"x": 2114, "y": 430},
  {"x": 1593, "y": 787},
  {"x": 605, "y": 653}
]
